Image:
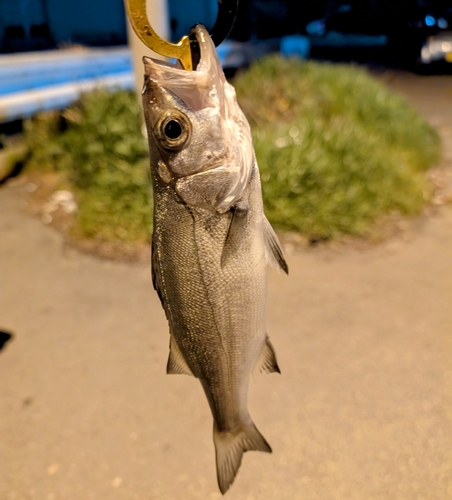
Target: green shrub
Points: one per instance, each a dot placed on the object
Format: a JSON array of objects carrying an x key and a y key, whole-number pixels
[
  {"x": 99, "y": 145},
  {"x": 335, "y": 148}
]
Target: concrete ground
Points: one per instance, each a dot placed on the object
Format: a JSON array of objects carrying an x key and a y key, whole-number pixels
[{"x": 362, "y": 410}]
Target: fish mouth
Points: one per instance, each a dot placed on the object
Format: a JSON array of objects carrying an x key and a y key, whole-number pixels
[{"x": 200, "y": 88}]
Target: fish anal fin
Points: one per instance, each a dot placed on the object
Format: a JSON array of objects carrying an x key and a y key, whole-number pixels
[
  {"x": 274, "y": 252},
  {"x": 230, "y": 447},
  {"x": 176, "y": 362},
  {"x": 236, "y": 232},
  {"x": 267, "y": 359}
]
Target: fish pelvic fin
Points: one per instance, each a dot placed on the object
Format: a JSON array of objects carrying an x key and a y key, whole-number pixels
[
  {"x": 267, "y": 358},
  {"x": 273, "y": 248},
  {"x": 176, "y": 361},
  {"x": 230, "y": 447}
]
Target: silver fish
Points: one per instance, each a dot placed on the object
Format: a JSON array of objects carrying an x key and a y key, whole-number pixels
[{"x": 211, "y": 243}]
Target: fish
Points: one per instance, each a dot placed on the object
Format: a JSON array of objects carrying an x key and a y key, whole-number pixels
[{"x": 211, "y": 243}]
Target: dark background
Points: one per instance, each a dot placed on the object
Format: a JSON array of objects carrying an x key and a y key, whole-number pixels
[{"x": 27, "y": 25}]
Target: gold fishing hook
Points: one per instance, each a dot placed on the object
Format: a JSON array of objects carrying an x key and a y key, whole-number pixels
[{"x": 136, "y": 9}]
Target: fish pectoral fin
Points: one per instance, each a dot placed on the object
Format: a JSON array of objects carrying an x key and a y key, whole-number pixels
[
  {"x": 176, "y": 362},
  {"x": 236, "y": 232},
  {"x": 267, "y": 359},
  {"x": 273, "y": 248},
  {"x": 157, "y": 276},
  {"x": 230, "y": 447}
]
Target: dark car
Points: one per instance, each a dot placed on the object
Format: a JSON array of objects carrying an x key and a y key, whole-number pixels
[
  {"x": 412, "y": 32},
  {"x": 423, "y": 35}
]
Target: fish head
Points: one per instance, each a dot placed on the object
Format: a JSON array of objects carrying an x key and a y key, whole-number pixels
[{"x": 200, "y": 140}]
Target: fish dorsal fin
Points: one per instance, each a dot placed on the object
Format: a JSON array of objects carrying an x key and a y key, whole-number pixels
[
  {"x": 267, "y": 359},
  {"x": 236, "y": 232},
  {"x": 176, "y": 362},
  {"x": 273, "y": 248}
]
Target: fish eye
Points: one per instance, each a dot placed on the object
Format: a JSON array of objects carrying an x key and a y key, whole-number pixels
[{"x": 173, "y": 130}]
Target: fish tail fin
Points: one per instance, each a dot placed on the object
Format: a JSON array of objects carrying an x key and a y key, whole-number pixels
[{"x": 230, "y": 447}]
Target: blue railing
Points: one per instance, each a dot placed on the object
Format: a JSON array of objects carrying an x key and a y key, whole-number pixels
[{"x": 40, "y": 81}]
